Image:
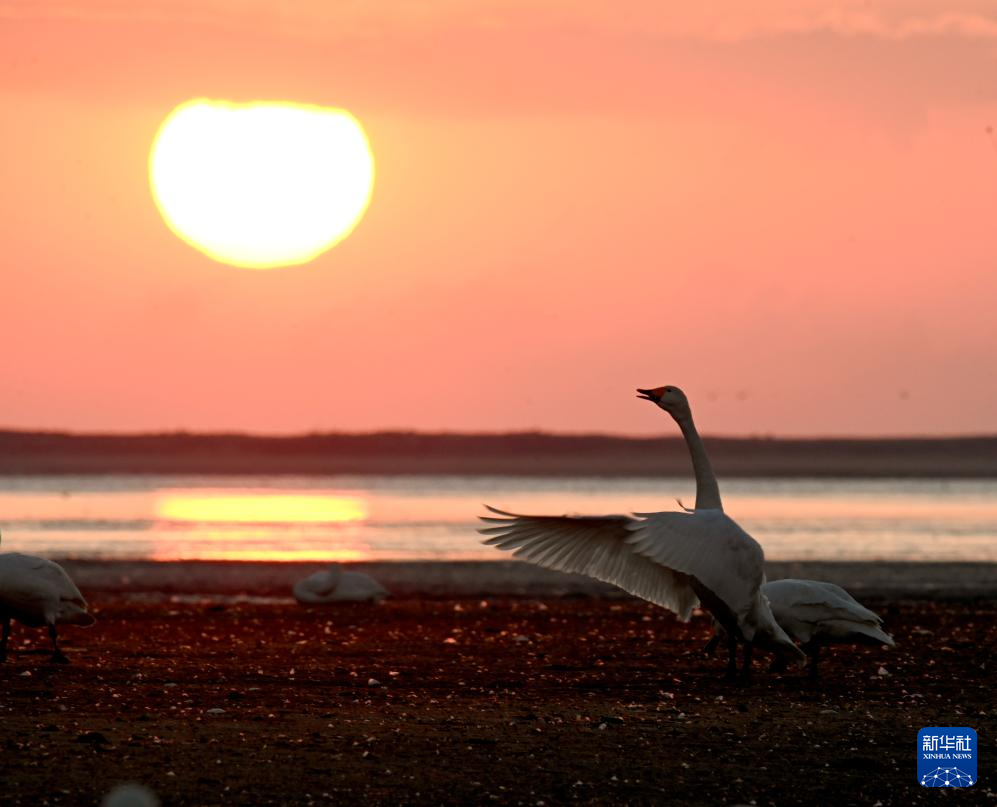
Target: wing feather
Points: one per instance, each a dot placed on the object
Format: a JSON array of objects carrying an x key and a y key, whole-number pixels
[
  {"x": 596, "y": 546},
  {"x": 709, "y": 546}
]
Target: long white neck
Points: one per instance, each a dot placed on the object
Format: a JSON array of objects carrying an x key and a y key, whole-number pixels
[{"x": 707, "y": 489}]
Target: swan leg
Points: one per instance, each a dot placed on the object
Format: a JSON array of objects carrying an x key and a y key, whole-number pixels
[
  {"x": 58, "y": 657},
  {"x": 746, "y": 667},
  {"x": 711, "y": 646},
  {"x": 4, "y": 638},
  {"x": 731, "y": 673},
  {"x": 812, "y": 649}
]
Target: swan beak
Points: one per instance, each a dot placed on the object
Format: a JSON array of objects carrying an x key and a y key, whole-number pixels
[{"x": 653, "y": 395}]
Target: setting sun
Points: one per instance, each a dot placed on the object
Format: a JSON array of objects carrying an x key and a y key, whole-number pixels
[{"x": 262, "y": 184}]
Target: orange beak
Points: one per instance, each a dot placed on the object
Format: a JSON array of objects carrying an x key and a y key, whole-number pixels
[{"x": 653, "y": 395}]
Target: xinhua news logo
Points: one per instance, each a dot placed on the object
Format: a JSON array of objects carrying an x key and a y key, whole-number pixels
[{"x": 946, "y": 756}]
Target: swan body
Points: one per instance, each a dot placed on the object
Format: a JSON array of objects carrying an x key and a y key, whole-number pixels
[
  {"x": 810, "y": 609},
  {"x": 817, "y": 613},
  {"x": 674, "y": 559},
  {"x": 37, "y": 592},
  {"x": 130, "y": 795},
  {"x": 335, "y": 585}
]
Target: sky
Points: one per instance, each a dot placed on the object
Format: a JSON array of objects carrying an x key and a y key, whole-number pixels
[{"x": 785, "y": 208}]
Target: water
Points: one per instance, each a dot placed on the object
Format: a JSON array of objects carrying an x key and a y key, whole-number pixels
[{"x": 434, "y": 517}]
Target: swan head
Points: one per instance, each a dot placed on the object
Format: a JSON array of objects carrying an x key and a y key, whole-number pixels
[{"x": 671, "y": 399}]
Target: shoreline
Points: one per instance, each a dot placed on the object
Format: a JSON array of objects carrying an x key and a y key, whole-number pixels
[
  {"x": 521, "y": 454},
  {"x": 503, "y": 578}
]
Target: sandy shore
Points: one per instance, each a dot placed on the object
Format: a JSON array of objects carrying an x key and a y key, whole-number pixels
[
  {"x": 503, "y": 578},
  {"x": 497, "y": 700}
]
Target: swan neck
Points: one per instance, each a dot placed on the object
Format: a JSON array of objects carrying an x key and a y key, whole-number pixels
[{"x": 707, "y": 489}]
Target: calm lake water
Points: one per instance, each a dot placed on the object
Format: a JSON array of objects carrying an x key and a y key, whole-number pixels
[{"x": 435, "y": 517}]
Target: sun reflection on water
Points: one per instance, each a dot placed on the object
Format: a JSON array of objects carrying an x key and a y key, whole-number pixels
[
  {"x": 261, "y": 526},
  {"x": 231, "y": 549},
  {"x": 260, "y": 508}
]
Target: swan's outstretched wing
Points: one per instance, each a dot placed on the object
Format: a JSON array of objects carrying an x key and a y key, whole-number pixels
[
  {"x": 707, "y": 545},
  {"x": 596, "y": 546}
]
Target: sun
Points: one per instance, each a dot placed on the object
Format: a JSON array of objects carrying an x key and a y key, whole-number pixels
[{"x": 261, "y": 184}]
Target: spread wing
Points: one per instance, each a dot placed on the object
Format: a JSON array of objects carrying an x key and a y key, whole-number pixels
[
  {"x": 596, "y": 546},
  {"x": 707, "y": 545}
]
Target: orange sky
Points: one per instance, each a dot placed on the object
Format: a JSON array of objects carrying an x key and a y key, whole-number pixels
[{"x": 786, "y": 208}]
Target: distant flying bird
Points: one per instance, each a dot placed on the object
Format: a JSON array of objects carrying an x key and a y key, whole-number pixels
[
  {"x": 672, "y": 559},
  {"x": 817, "y": 613},
  {"x": 335, "y": 585},
  {"x": 37, "y": 592}
]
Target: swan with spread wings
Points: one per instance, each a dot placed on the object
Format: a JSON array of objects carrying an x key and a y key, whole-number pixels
[{"x": 673, "y": 559}]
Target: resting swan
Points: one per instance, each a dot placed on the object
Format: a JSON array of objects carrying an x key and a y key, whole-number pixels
[
  {"x": 38, "y": 592},
  {"x": 335, "y": 585},
  {"x": 673, "y": 559}
]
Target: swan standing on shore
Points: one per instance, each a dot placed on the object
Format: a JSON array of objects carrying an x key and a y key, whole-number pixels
[
  {"x": 335, "y": 585},
  {"x": 673, "y": 559},
  {"x": 37, "y": 592},
  {"x": 817, "y": 613}
]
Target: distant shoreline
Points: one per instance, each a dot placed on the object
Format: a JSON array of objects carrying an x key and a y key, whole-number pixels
[
  {"x": 504, "y": 578},
  {"x": 521, "y": 453}
]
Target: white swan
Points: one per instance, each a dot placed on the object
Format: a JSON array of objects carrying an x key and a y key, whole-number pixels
[
  {"x": 335, "y": 585},
  {"x": 672, "y": 559},
  {"x": 675, "y": 402},
  {"x": 817, "y": 613},
  {"x": 130, "y": 795},
  {"x": 38, "y": 592}
]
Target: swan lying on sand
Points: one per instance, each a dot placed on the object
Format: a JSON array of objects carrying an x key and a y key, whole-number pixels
[
  {"x": 37, "y": 592},
  {"x": 335, "y": 585},
  {"x": 130, "y": 795},
  {"x": 815, "y": 613},
  {"x": 675, "y": 560}
]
